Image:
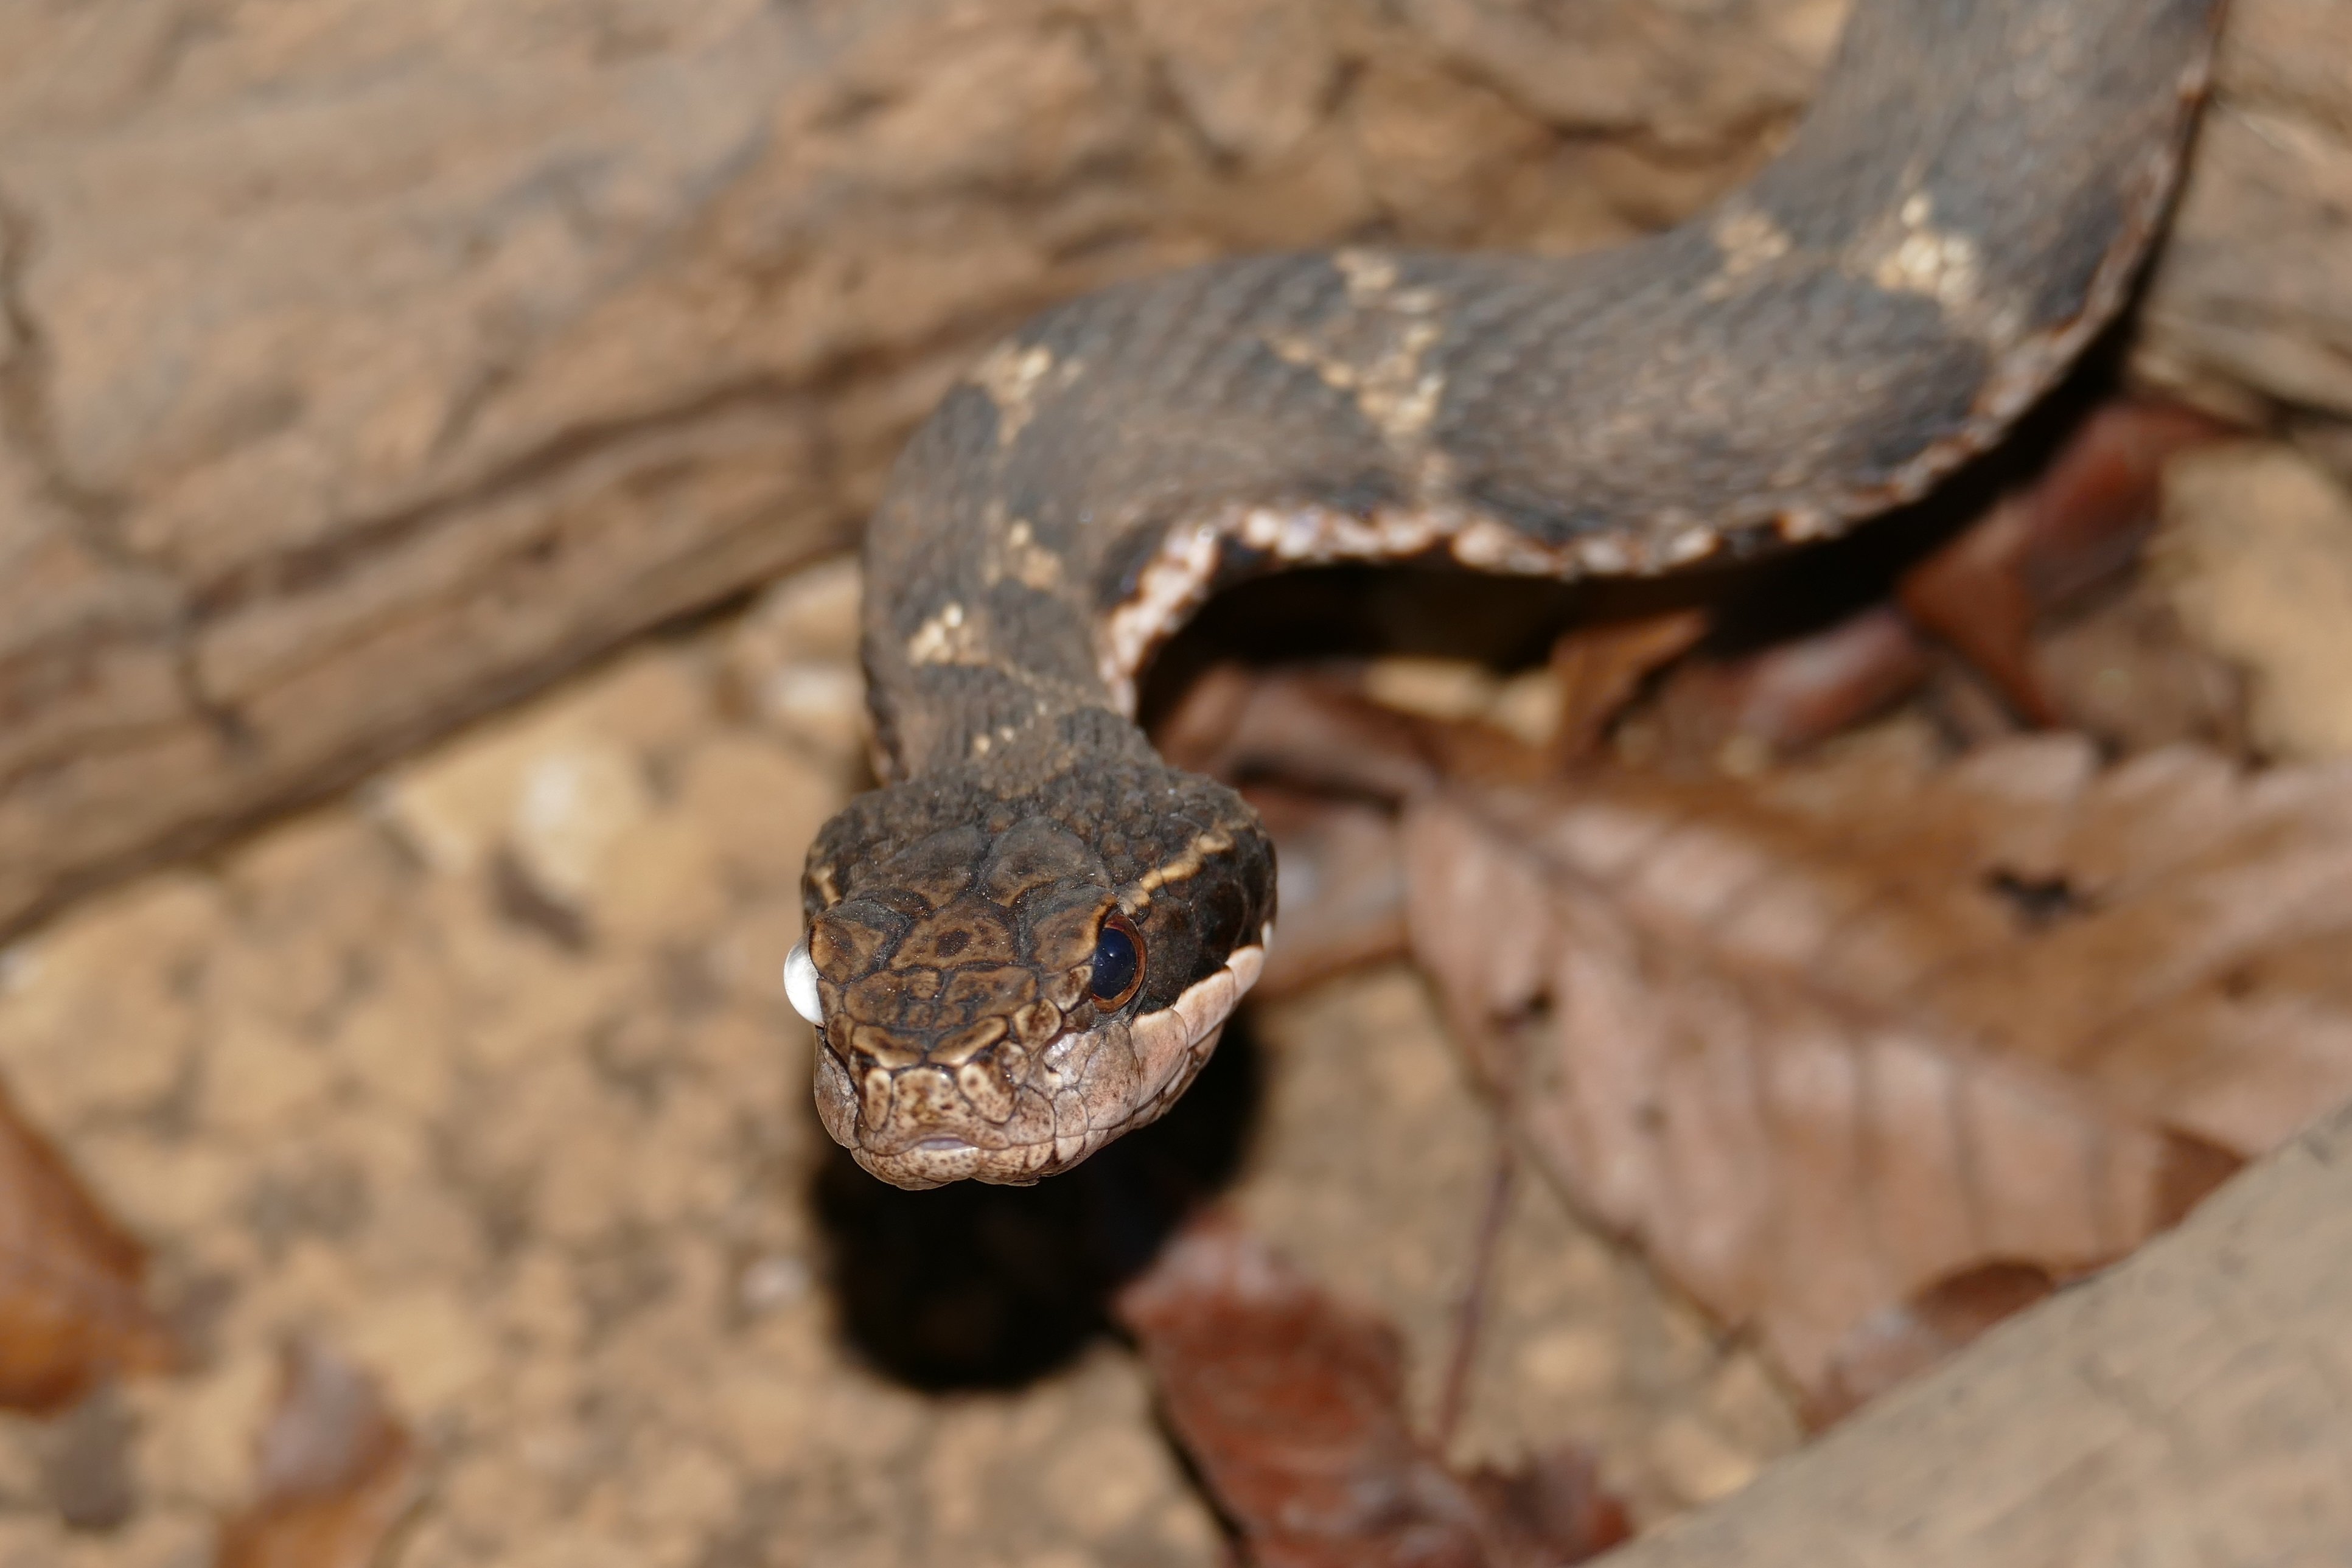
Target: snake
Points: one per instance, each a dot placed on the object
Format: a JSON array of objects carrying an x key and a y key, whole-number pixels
[{"x": 1027, "y": 941}]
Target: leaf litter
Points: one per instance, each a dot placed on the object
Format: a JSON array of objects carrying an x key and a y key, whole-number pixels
[
  {"x": 1866, "y": 1044},
  {"x": 1865, "y": 1052},
  {"x": 337, "y": 1472},
  {"x": 1823, "y": 1040},
  {"x": 72, "y": 1310},
  {"x": 1292, "y": 1405}
]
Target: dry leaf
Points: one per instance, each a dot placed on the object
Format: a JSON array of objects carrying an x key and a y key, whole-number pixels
[
  {"x": 1993, "y": 593},
  {"x": 1903, "y": 1341},
  {"x": 2257, "y": 557},
  {"x": 1598, "y": 670},
  {"x": 1341, "y": 895},
  {"x": 1790, "y": 695},
  {"x": 2079, "y": 523},
  {"x": 1842, "y": 1052},
  {"x": 337, "y": 1472},
  {"x": 1823, "y": 1040},
  {"x": 72, "y": 1310},
  {"x": 1291, "y": 1406}
]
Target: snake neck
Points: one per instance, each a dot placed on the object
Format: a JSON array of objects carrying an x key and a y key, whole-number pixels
[{"x": 1963, "y": 208}]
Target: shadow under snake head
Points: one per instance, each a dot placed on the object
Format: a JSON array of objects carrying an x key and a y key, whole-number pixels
[{"x": 1005, "y": 983}]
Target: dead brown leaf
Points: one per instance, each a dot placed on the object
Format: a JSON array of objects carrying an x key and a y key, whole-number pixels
[
  {"x": 1291, "y": 1405},
  {"x": 1342, "y": 892},
  {"x": 1901, "y": 1341},
  {"x": 1825, "y": 1039},
  {"x": 1599, "y": 671},
  {"x": 337, "y": 1472},
  {"x": 1788, "y": 696},
  {"x": 2044, "y": 561},
  {"x": 1852, "y": 1049},
  {"x": 72, "y": 1310},
  {"x": 2084, "y": 519}
]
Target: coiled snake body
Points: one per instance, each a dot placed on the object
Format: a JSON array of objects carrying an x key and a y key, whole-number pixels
[{"x": 1027, "y": 941}]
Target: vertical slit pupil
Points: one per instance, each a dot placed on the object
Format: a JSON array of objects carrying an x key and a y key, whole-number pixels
[{"x": 1118, "y": 961}]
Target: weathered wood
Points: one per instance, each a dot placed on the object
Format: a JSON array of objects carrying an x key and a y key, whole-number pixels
[
  {"x": 361, "y": 371},
  {"x": 358, "y": 376}
]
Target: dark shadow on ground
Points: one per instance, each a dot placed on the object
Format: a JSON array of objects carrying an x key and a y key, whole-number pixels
[{"x": 989, "y": 1287}]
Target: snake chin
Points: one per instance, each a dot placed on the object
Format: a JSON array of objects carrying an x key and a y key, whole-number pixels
[{"x": 920, "y": 1127}]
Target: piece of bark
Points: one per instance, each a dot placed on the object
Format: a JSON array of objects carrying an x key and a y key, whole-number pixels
[
  {"x": 1823, "y": 1039},
  {"x": 2189, "y": 1405},
  {"x": 71, "y": 1309}
]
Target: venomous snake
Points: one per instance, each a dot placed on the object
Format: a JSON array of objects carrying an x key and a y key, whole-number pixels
[{"x": 1027, "y": 941}]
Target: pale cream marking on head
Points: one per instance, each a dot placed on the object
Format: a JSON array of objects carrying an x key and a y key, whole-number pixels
[{"x": 1175, "y": 868}]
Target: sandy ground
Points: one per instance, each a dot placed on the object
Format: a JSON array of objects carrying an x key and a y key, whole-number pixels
[{"x": 483, "y": 1077}]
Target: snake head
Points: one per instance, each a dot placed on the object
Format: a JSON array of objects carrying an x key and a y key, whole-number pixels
[{"x": 1006, "y": 978}]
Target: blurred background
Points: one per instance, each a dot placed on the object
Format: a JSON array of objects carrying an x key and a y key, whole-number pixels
[{"x": 430, "y": 441}]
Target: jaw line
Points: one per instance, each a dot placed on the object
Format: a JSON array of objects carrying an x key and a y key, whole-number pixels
[{"x": 1168, "y": 1046}]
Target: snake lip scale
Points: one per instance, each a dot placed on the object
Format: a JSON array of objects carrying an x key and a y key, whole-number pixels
[{"x": 1029, "y": 939}]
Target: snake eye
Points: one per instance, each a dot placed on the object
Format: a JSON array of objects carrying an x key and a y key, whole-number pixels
[{"x": 1118, "y": 961}]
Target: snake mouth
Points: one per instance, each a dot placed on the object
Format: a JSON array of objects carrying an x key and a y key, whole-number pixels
[{"x": 912, "y": 1129}]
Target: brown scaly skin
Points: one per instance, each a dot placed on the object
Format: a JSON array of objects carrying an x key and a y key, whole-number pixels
[
  {"x": 1964, "y": 207},
  {"x": 954, "y": 939}
]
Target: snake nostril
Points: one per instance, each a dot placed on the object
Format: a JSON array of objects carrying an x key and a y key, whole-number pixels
[{"x": 983, "y": 1084}]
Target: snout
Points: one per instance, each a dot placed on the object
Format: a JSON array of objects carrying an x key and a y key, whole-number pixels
[{"x": 999, "y": 1111}]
